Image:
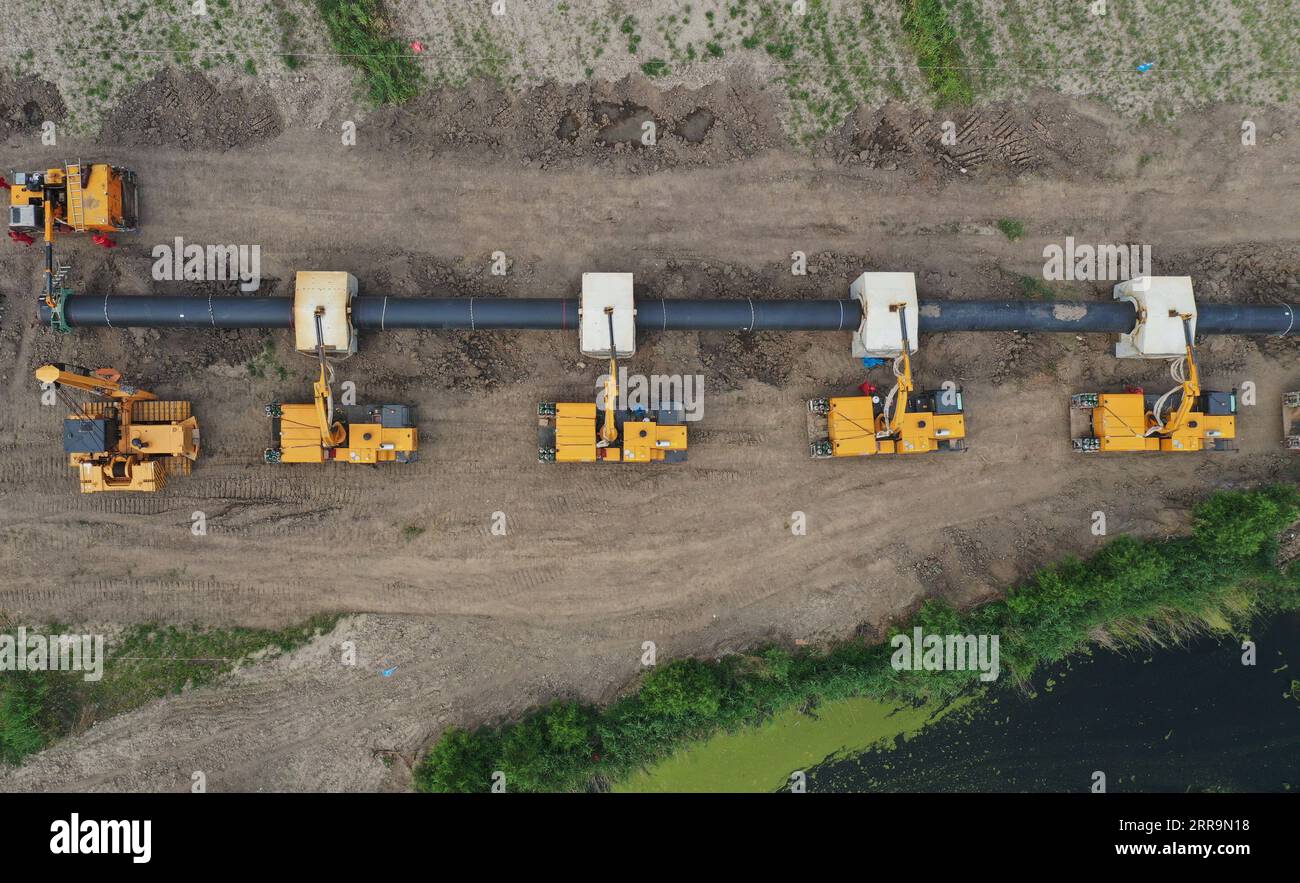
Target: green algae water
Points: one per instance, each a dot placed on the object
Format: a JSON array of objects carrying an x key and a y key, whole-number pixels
[
  {"x": 762, "y": 758},
  {"x": 1190, "y": 718}
]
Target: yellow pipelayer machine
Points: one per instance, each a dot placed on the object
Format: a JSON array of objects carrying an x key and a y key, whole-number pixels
[
  {"x": 1134, "y": 421},
  {"x": 316, "y": 432},
  {"x": 128, "y": 441},
  {"x": 864, "y": 426},
  {"x": 567, "y": 432}
]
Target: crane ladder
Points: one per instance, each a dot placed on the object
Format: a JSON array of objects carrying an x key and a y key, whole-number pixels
[{"x": 76, "y": 207}]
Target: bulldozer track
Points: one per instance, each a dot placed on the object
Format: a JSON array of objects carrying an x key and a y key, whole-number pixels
[
  {"x": 22, "y": 468},
  {"x": 982, "y": 139}
]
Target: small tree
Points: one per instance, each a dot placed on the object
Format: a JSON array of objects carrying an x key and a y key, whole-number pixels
[{"x": 460, "y": 762}]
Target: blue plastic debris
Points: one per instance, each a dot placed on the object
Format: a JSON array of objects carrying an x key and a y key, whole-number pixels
[
  {"x": 868, "y": 362},
  {"x": 1146, "y": 66},
  {"x": 388, "y": 672}
]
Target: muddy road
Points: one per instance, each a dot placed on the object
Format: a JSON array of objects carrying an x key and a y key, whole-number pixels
[{"x": 697, "y": 557}]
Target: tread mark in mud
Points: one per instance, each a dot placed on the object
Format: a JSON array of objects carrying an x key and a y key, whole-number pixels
[{"x": 981, "y": 139}]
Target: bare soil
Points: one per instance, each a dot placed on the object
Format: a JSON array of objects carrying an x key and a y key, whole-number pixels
[{"x": 696, "y": 557}]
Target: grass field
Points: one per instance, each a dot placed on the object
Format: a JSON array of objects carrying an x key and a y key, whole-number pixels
[
  {"x": 1147, "y": 59},
  {"x": 143, "y": 663}
]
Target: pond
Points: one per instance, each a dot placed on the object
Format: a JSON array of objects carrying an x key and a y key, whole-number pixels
[{"x": 1182, "y": 718}]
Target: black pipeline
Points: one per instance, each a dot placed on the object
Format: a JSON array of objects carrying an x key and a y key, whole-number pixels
[{"x": 654, "y": 314}]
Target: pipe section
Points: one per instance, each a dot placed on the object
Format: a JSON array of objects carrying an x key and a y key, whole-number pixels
[
  {"x": 659, "y": 314},
  {"x": 471, "y": 313},
  {"x": 655, "y": 314},
  {"x": 150, "y": 311}
]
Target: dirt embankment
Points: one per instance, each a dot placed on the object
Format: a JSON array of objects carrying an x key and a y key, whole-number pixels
[
  {"x": 188, "y": 111},
  {"x": 25, "y": 104}
]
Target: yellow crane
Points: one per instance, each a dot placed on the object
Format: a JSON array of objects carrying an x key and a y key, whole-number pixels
[
  {"x": 125, "y": 439},
  {"x": 905, "y": 422},
  {"x": 316, "y": 432},
  {"x": 1133, "y": 421},
  {"x": 95, "y": 198},
  {"x": 568, "y": 432}
]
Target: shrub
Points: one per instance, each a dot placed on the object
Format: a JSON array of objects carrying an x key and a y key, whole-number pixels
[
  {"x": 685, "y": 689},
  {"x": 360, "y": 33},
  {"x": 1011, "y": 229},
  {"x": 655, "y": 67},
  {"x": 938, "y": 54},
  {"x": 22, "y": 703},
  {"x": 1236, "y": 524},
  {"x": 461, "y": 762}
]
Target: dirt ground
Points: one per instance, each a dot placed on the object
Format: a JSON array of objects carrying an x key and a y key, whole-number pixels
[{"x": 697, "y": 557}]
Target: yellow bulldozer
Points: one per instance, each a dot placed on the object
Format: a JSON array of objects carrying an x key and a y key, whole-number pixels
[
  {"x": 123, "y": 438},
  {"x": 905, "y": 421},
  {"x": 1186, "y": 418},
  {"x": 583, "y": 432},
  {"x": 318, "y": 432}
]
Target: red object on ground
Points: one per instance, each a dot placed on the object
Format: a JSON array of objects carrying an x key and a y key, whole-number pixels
[
  {"x": 103, "y": 241},
  {"x": 868, "y": 388},
  {"x": 24, "y": 238},
  {"x": 417, "y": 47},
  {"x": 1135, "y": 390},
  {"x": 4, "y": 183}
]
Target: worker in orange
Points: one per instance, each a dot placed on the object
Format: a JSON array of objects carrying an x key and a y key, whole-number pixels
[{"x": 103, "y": 241}]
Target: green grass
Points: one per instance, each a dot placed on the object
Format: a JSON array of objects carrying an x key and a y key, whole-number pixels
[
  {"x": 938, "y": 54},
  {"x": 1011, "y": 228},
  {"x": 1036, "y": 288},
  {"x": 360, "y": 33},
  {"x": 287, "y": 25},
  {"x": 655, "y": 67},
  {"x": 265, "y": 363},
  {"x": 1130, "y": 593},
  {"x": 627, "y": 27},
  {"x": 144, "y": 663}
]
